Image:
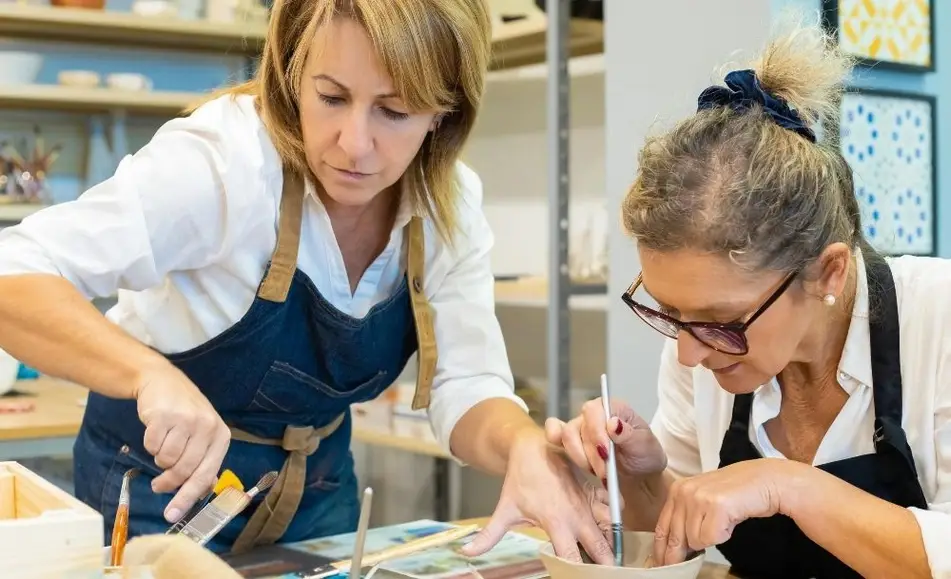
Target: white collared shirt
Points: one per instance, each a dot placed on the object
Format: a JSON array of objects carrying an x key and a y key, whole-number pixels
[
  {"x": 183, "y": 230},
  {"x": 694, "y": 412}
]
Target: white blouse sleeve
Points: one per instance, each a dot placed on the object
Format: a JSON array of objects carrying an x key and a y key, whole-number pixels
[
  {"x": 163, "y": 210},
  {"x": 472, "y": 362},
  {"x": 935, "y": 523},
  {"x": 674, "y": 423}
]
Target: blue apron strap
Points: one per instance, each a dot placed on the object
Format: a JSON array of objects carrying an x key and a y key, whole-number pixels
[
  {"x": 283, "y": 264},
  {"x": 426, "y": 355}
]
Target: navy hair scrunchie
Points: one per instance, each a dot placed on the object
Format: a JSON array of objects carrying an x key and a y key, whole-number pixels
[{"x": 742, "y": 91}]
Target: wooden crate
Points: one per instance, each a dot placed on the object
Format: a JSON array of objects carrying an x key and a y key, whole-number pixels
[{"x": 45, "y": 532}]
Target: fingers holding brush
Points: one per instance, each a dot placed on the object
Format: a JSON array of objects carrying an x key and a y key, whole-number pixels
[
  {"x": 595, "y": 544},
  {"x": 599, "y": 502},
  {"x": 202, "y": 479},
  {"x": 568, "y": 436}
]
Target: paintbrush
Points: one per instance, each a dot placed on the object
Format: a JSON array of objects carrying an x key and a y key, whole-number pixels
[
  {"x": 361, "y": 538},
  {"x": 409, "y": 548},
  {"x": 614, "y": 497},
  {"x": 120, "y": 528},
  {"x": 227, "y": 480},
  {"x": 226, "y": 506}
]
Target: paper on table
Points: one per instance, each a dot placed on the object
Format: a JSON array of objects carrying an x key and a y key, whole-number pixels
[{"x": 514, "y": 557}]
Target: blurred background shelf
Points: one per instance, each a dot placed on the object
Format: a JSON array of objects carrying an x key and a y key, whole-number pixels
[
  {"x": 115, "y": 28},
  {"x": 516, "y": 43},
  {"x": 533, "y": 292},
  {"x": 75, "y": 99},
  {"x": 10, "y": 212},
  {"x": 522, "y": 42}
]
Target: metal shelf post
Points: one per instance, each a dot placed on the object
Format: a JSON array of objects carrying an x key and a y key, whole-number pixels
[{"x": 559, "y": 282}]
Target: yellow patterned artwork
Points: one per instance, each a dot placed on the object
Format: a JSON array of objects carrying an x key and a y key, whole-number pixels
[{"x": 897, "y": 32}]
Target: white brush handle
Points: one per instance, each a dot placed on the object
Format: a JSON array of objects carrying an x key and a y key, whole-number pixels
[{"x": 614, "y": 497}]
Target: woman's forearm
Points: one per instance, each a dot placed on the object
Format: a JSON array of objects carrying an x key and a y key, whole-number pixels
[
  {"x": 874, "y": 537},
  {"x": 485, "y": 435},
  {"x": 644, "y": 498},
  {"x": 46, "y": 323}
]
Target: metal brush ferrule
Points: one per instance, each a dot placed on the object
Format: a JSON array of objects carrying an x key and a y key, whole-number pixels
[{"x": 618, "y": 532}]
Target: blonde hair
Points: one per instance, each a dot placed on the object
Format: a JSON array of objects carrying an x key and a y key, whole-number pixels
[
  {"x": 436, "y": 51},
  {"x": 735, "y": 182}
]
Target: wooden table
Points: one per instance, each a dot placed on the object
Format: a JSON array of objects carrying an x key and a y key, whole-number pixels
[
  {"x": 51, "y": 428},
  {"x": 709, "y": 570}
]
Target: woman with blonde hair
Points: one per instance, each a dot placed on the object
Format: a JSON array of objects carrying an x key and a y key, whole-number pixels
[
  {"x": 804, "y": 419},
  {"x": 279, "y": 254}
]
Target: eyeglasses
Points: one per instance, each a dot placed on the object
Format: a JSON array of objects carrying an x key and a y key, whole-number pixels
[{"x": 728, "y": 338}]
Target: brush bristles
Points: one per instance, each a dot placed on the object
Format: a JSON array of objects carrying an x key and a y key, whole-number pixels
[
  {"x": 231, "y": 500},
  {"x": 267, "y": 481}
]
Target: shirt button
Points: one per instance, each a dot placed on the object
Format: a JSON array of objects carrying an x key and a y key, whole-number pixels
[{"x": 843, "y": 376}]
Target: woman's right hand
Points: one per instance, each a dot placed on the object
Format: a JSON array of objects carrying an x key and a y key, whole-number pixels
[
  {"x": 585, "y": 439},
  {"x": 184, "y": 433}
]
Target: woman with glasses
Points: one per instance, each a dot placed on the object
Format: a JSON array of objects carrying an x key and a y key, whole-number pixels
[{"x": 804, "y": 419}]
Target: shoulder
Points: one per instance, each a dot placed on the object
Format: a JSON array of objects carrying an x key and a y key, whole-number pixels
[
  {"x": 921, "y": 287},
  {"x": 228, "y": 126},
  {"x": 473, "y": 232},
  {"x": 924, "y": 313},
  {"x": 470, "y": 187},
  {"x": 214, "y": 170}
]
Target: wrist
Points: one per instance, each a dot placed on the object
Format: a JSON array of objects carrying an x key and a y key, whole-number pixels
[
  {"x": 525, "y": 436},
  {"x": 796, "y": 480},
  {"x": 145, "y": 370}
]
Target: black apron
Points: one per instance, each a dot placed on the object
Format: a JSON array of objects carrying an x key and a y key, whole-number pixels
[{"x": 774, "y": 546}]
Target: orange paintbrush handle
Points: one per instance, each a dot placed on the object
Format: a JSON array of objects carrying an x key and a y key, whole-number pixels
[{"x": 120, "y": 532}]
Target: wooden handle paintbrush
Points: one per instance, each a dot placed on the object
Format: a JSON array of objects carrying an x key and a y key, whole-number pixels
[{"x": 120, "y": 529}]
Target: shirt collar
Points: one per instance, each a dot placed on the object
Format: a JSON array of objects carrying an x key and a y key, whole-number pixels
[{"x": 856, "y": 361}]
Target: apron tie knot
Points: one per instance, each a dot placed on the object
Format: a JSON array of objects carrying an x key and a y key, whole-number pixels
[
  {"x": 272, "y": 517},
  {"x": 301, "y": 439}
]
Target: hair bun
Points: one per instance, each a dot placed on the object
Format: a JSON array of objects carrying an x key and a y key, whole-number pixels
[{"x": 803, "y": 66}]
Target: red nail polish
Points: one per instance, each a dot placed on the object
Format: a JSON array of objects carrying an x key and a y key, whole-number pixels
[
  {"x": 620, "y": 427},
  {"x": 602, "y": 452}
]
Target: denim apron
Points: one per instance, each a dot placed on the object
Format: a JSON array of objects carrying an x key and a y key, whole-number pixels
[
  {"x": 283, "y": 379},
  {"x": 774, "y": 546}
]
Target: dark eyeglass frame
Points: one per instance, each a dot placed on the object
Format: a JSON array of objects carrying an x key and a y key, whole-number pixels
[{"x": 738, "y": 329}]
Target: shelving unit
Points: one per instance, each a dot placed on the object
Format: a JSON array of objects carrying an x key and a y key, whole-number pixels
[
  {"x": 73, "y": 99},
  {"x": 517, "y": 43},
  {"x": 11, "y": 212},
  {"x": 523, "y": 42},
  {"x": 104, "y": 27}
]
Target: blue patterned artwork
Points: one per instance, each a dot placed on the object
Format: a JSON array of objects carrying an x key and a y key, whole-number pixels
[{"x": 888, "y": 140}]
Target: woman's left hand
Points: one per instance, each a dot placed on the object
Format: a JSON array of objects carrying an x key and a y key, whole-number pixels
[
  {"x": 541, "y": 488},
  {"x": 702, "y": 511}
]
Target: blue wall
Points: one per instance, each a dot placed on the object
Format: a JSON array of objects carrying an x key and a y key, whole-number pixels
[{"x": 937, "y": 84}]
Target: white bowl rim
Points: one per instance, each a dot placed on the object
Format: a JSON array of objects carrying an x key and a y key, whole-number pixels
[{"x": 548, "y": 550}]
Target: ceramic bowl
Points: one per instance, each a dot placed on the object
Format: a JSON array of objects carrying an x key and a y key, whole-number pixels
[
  {"x": 637, "y": 550},
  {"x": 19, "y": 67}
]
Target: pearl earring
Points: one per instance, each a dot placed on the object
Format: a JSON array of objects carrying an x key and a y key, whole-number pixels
[{"x": 829, "y": 299}]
